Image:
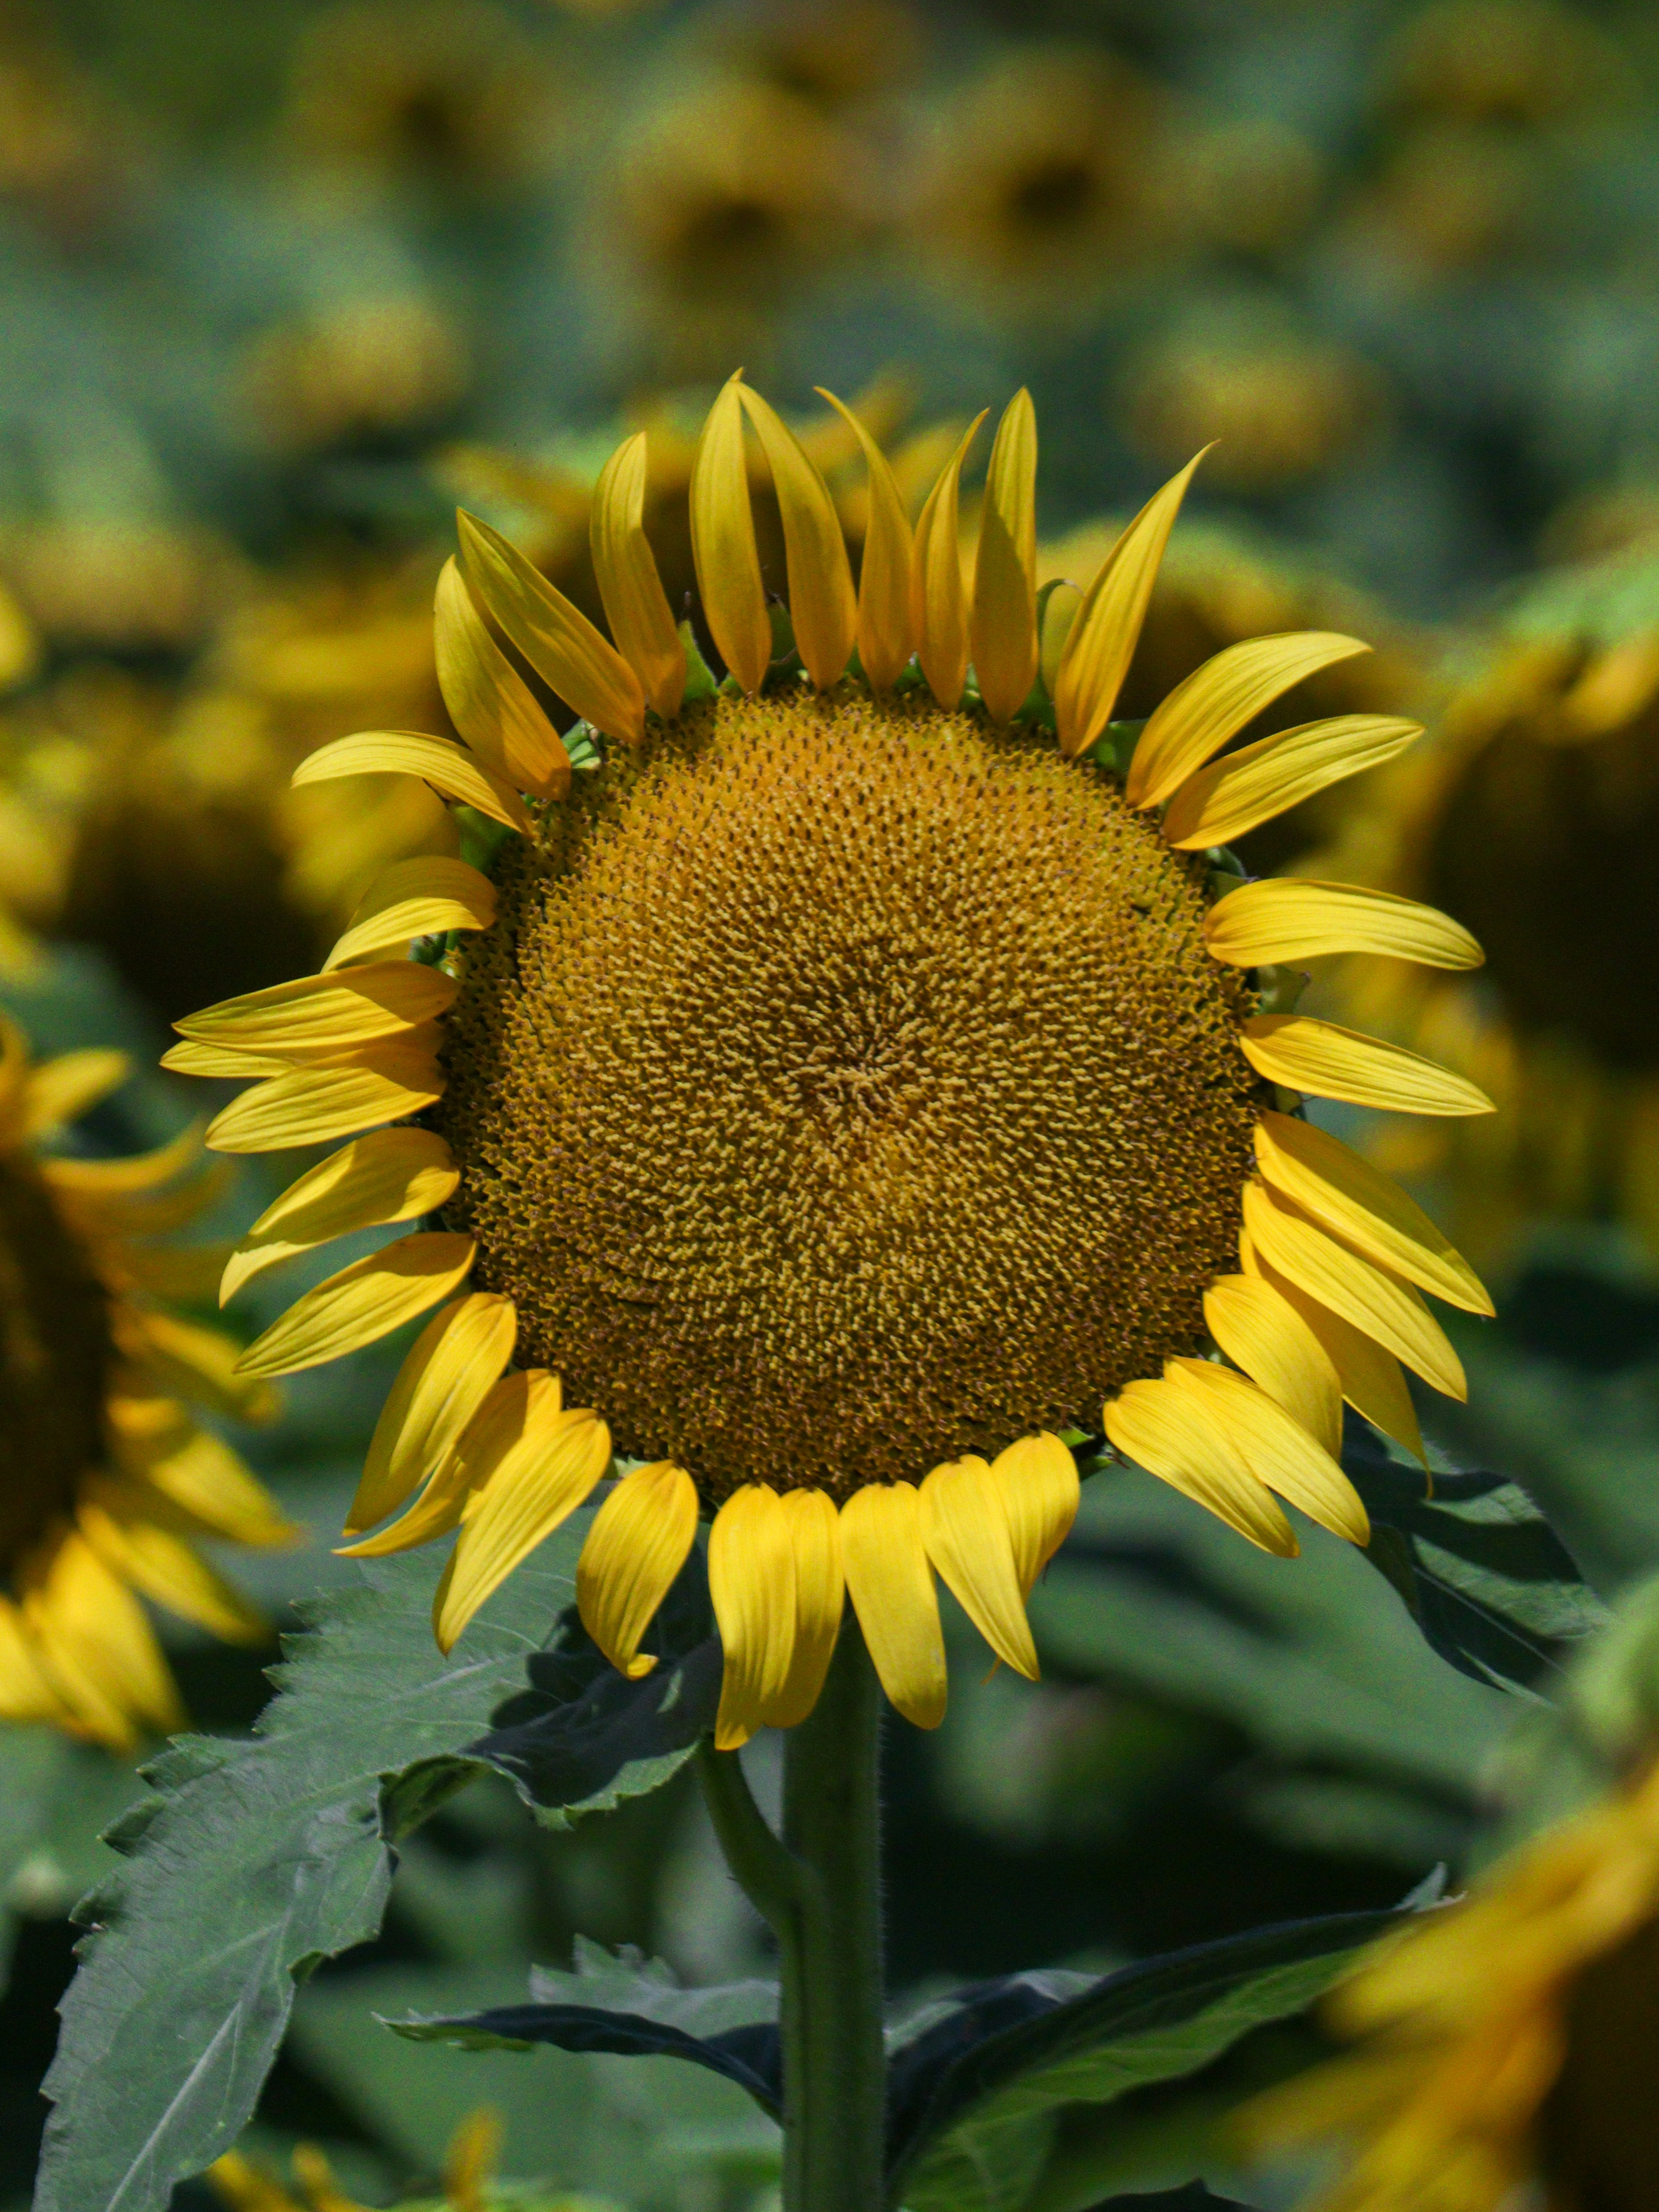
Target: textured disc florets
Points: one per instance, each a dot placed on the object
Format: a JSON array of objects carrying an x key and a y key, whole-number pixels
[{"x": 845, "y": 1087}]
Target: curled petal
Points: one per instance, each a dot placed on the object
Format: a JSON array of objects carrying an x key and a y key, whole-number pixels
[
  {"x": 965, "y": 1528},
  {"x": 579, "y": 665},
  {"x": 640, "y": 1541},
  {"x": 886, "y": 637},
  {"x": 488, "y": 701},
  {"x": 1218, "y": 699},
  {"x": 751, "y": 1580},
  {"x": 451, "y": 1368},
  {"x": 891, "y": 1586},
  {"x": 1178, "y": 1439},
  {"x": 1004, "y": 627},
  {"x": 723, "y": 544},
  {"x": 821, "y": 603},
  {"x": 636, "y": 604},
  {"x": 939, "y": 605},
  {"x": 361, "y": 1303}
]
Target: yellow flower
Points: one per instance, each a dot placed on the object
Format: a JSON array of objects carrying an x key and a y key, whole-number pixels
[
  {"x": 468, "y": 2179},
  {"x": 845, "y": 1087},
  {"x": 109, "y": 1480},
  {"x": 1531, "y": 814},
  {"x": 1509, "y": 2039}
]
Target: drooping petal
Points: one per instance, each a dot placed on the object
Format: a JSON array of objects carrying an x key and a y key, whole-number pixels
[
  {"x": 640, "y": 1541},
  {"x": 1223, "y": 801},
  {"x": 419, "y": 897},
  {"x": 1003, "y": 631},
  {"x": 891, "y": 1586},
  {"x": 1328, "y": 1062},
  {"x": 751, "y": 1581},
  {"x": 394, "y": 1175},
  {"x": 1218, "y": 699},
  {"x": 132, "y": 1171},
  {"x": 536, "y": 1483},
  {"x": 636, "y": 604},
  {"x": 63, "y": 1088},
  {"x": 723, "y": 544},
  {"x": 965, "y": 1528},
  {"x": 98, "y": 1648},
  {"x": 821, "y": 603},
  {"x": 185, "y": 1360},
  {"x": 316, "y": 1106},
  {"x": 452, "y": 771},
  {"x": 314, "y": 1014},
  {"x": 165, "y": 1568},
  {"x": 1370, "y": 1378},
  {"x": 1177, "y": 1439},
  {"x": 939, "y": 605},
  {"x": 488, "y": 701},
  {"x": 1265, "y": 1335},
  {"x": 1040, "y": 1491},
  {"x": 1277, "y": 1450},
  {"x": 451, "y": 1368},
  {"x": 1286, "y": 918},
  {"x": 572, "y": 658},
  {"x": 886, "y": 637},
  {"x": 814, "y": 1527},
  {"x": 197, "y": 1472},
  {"x": 1389, "y": 1312},
  {"x": 362, "y": 1303},
  {"x": 1102, "y": 640},
  {"x": 1347, "y": 1195}
]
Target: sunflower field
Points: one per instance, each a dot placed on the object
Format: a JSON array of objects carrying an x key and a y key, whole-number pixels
[{"x": 829, "y": 1106}]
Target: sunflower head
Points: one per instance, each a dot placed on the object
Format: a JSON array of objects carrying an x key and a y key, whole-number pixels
[
  {"x": 845, "y": 1076},
  {"x": 109, "y": 1479}
]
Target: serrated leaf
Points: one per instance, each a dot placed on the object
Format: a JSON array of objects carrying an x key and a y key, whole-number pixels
[
  {"x": 259, "y": 1858},
  {"x": 635, "y": 2009},
  {"x": 1489, "y": 1582},
  {"x": 969, "y": 2114}
]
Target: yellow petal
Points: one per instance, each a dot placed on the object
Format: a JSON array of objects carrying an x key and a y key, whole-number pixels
[
  {"x": 27, "y": 1693},
  {"x": 316, "y": 1014},
  {"x": 1388, "y": 1312},
  {"x": 1328, "y": 1062},
  {"x": 635, "y": 605},
  {"x": 814, "y": 1528},
  {"x": 1276, "y": 1448},
  {"x": 184, "y": 1273},
  {"x": 751, "y": 1580},
  {"x": 437, "y": 1509},
  {"x": 185, "y": 1360},
  {"x": 536, "y": 1483},
  {"x": 1216, "y": 700},
  {"x": 471, "y": 2160},
  {"x": 197, "y": 1472},
  {"x": 1223, "y": 801},
  {"x": 1041, "y": 1491},
  {"x": 1259, "y": 925},
  {"x": 1103, "y": 639},
  {"x": 135, "y": 1171},
  {"x": 162, "y": 1565},
  {"x": 1059, "y": 610},
  {"x": 1265, "y": 1335},
  {"x": 965, "y": 1528},
  {"x": 98, "y": 1648},
  {"x": 821, "y": 605},
  {"x": 582, "y": 667},
  {"x": 315, "y": 1106},
  {"x": 1370, "y": 1378},
  {"x": 1350, "y": 1197},
  {"x": 891, "y": 1586},
  {"x": 886, "y": 639},
  {"x": 641, "y": 1538},
  {"x": 451, "y": 1368},
  {"x": 1176, "y": 1438},
  {"x": 65, "y": 1088},
  {"x": 395, "y": 1175},
  {"x": 939, "y": 605},
  {"x": 450, "y": 769},
  {"x": 1003, "y": 628},
  {"x": 488, "y": 701},
  {"x": 191, "y": 1059},
  {"x": 723, "y": 544},
  {"x": 418, "y": 897},
  {"x": 362, "y": 1303}
]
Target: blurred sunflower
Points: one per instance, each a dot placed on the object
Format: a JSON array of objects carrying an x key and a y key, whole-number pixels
[
  {"x": 109, "y": 1480},
  {"x": 836, "y": 53},
  {"x": 1041, "y": 188},
  {"x": 844, "y": 1085},
  {"x": 1217, "y": 586},
  {"x": 1508, "y": 2043},
  {"x": 1530, "y": 815},
  {"x": 468, "y": 2179},
  {"x": 366, "y": 368}
]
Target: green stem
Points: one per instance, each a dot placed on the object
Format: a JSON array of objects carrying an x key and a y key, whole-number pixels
[{"x": 819, "y": 1888}]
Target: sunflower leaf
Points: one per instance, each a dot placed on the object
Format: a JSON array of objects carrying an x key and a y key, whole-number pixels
[
  {"x": 257, "y": 1859},
  {"x": 1489, "y": 1582}
]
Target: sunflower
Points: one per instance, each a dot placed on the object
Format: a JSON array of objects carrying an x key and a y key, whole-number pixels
[
  {"x": 841, "y": 1083},
  {"x": 1508, "y": 2040},
  {"x": 468, "y": 2178},
  {"x": 1530, "y": 814},
  {"x": 109, "y": 1479}
]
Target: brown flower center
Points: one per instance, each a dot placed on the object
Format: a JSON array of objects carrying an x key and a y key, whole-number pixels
[
  {"x": 1600, "y": 2130},
  {"x": 55, "y": 1359},
  {"x": 845, "y": 1088}
]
